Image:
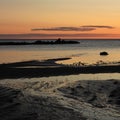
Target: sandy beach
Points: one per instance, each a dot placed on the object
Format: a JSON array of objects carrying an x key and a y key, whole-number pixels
[
  {"x": 59, "y": 60},
  {"x": 22, "y": 99},
  {"x": 46, "y": 68}
]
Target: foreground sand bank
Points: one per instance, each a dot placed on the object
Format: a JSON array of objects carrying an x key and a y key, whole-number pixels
[
  {"x": 40, "y": 99},
  {"x": 30, "y": 69},
  {"x": 61, "y": 100}
]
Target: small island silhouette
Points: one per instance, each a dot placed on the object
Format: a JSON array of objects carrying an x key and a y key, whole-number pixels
[{"x": 42, "y": 42}]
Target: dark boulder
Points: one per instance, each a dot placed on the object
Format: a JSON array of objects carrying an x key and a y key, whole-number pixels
[{"x": 103, "y": 53}]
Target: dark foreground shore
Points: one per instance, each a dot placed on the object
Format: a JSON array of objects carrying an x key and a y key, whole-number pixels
[
  {"x": 61, "y": 100},
  {"x": 40, "y": 99},
  {"x": 30, "y": 69}
]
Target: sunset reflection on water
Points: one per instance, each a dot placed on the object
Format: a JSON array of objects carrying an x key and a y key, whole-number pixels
[{"x": 93, "y": 58}]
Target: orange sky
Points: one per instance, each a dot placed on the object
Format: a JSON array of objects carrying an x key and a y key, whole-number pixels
[{"x": 60, "y": 18}]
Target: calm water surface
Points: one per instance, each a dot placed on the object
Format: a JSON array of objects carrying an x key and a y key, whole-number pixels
[{"x": 87, "y": 52}]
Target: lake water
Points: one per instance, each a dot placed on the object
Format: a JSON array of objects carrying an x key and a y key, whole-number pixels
[
  {"x": 86, "y": 52},
  {"x": 36, "y": 91}
]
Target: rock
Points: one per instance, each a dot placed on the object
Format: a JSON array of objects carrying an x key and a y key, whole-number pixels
[{"x": 103, "y": 53}]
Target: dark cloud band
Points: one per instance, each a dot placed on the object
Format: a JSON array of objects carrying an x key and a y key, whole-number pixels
[
  {"x": 81, "y": 28},
  {"x": 65, "y": 29},
  {"x": 98, "y": 26}
]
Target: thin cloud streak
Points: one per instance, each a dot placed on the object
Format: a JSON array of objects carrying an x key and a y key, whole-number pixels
[
  {"x": 65, "y": 29},
  {"x": 81, "y": 28},
  {"x": 99, "y": 26}
]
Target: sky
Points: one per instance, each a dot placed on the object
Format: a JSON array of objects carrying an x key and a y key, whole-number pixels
[{"x": 59, "y": 18}]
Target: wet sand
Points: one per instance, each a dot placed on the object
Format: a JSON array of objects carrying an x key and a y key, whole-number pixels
[
  {"x": 31, "y": 69},
  {"x": 61, "y": 100},
  {"x": 57, "y": 99}
]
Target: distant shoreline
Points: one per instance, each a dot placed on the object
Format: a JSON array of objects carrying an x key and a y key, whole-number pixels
[
  {"x": 40, "y": 42},
  {"x": 26, "y": 39}
]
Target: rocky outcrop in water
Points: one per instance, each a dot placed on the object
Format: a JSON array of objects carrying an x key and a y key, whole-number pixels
[{"x": 103, "y": 53}]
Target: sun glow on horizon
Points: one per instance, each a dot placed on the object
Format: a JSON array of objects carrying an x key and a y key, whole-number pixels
[{"x": 19, "y": 17}]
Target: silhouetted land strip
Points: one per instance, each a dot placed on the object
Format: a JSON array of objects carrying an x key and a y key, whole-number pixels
[
  {"x": 41, "y": 42},
  {"x": 30, "y": 69}
]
